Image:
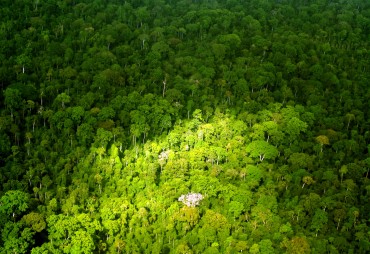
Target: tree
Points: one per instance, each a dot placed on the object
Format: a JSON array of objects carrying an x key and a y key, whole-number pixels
[
  {"x": 62, "y": 98},
  {"x": 266, "y": 247},
  {"x": 262, "y": 150},
  {"x": 183, "y": 249},
  {"x": 12, "y": 99},
  {"x": 343, "y": 170},
  {"x": 81, "y": 242},
  {"x": 102, "y": 138},
  {"x": 235, "y": 209},
  {"x": 189, "y": 216},
  {"x": 15, "y": 238},
  {"x": 106, "y": 113},
  {"x": 301, "y": 160},
  {"x": 215, "y": 224},
  {"x": 24, "y": 61},
  {"x": 294, "y": 127},
  {"x": 307, "y": 180},
  {"x": 319, "y": 219},
  {"x": 77, "y": 114},
  {"x": 255, "y": 249},
  {"x": 191, "y": 199},
  {"x": 254, "y": 175},
  {"x": 35, "y": 221},
  {"x": 349, "y": 117},
  {"x": 5, "y": 145},
  {"x": 298, "y": 245},
  {"x": 14, "y": 203},
  {"x": 322, "y": 140}
]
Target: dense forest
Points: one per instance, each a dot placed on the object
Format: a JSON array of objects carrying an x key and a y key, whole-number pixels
[{"x": 184, "y": 126}]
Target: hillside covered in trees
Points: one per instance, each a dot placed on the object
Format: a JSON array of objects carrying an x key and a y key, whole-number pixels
[{"x": 184, "y": 126}]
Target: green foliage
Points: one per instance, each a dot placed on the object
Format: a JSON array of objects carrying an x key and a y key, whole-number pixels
[
  {"x": 13, "y": 203},
  {"x": 111, "y": 110},
  {"x": 16, "y": 238},
  {"x": 12, "y": 99},
  {"x": 35, "y": 221},
  {"x": 81, "y": 242},
  {"x": 319, "y": 219},
  {"x": 262, "y": 150},
  {"x": 5, "y": 147},
  {"x": 236, "y": 208}
]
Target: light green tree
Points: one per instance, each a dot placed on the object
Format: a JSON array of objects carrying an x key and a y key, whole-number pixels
[{"x": 262, "y": 150}]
